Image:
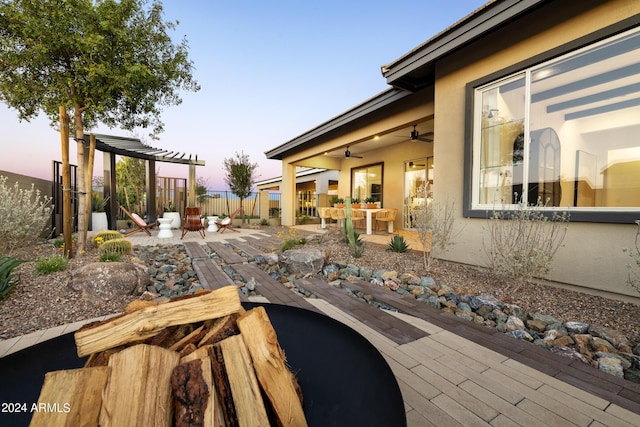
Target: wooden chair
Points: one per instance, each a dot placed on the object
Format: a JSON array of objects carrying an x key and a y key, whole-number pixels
[
  {"x": 324, "y": 214},
  {"x": 339, "y": 214},
  {"x": 139, "y": 222},
  {"x": 192, "y": 221},
  {"x": 358, "y": 217},
  {"x": 386, "y": 216},
  {"x": 226, "y": 223}
]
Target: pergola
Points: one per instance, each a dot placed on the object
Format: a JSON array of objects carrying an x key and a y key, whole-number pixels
[{"x": 133, "y": 147}]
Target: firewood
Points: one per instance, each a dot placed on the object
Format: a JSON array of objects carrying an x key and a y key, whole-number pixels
[
  {"x": 245, "y": 390},
  {"x": 223, "y": 388},
  {"x": 77, "y": 394},
  {"x": 194, "y": 336},
  {"x": 194, "y": 394},
  {"x": 222, "y": 328},
  {"x": 150, "y": 321},
  {"x": 138, "y": 392},
  {"x": 277, "y": 381}
]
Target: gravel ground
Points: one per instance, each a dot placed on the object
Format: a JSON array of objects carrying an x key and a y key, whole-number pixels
[{"x": 42, "y": 302}]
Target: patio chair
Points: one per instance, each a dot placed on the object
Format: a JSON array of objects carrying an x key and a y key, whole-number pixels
[
  {"x": 139, "y": 222},
  {"x": 227, "y": 222},
  {"x": 386, "y": 216},
  {"x": 358, "y": 217},
  {"x": 339, "y": 215},
  {"x": 192, "y": 221},
  {"x": 324, "y": 214}
]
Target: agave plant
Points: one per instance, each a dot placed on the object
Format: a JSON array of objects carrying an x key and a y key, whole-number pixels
[
  {"x": 398, "y": 244},
  {"x": 8, "y": 280}
]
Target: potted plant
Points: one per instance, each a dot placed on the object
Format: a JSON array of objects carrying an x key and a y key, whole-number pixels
[
  {"x": 370, "y": 203},
  {"x": 355, "y": 203},
  {"x": 170, "y": 212},
  {"x": 338, "y": 202},
  {"x": 98, "y": 215}
]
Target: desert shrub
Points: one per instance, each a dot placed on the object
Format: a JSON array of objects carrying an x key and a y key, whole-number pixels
[
  {"x": 8, "y": 279},
  {"x": 51, "y": 264},
  {"x": 434, "y": 223},
  {"x": 634, "y": 266},
  {"x": 523, "y": 241},
  {"x": 397, "y": 244},
  {"x": 24, "y": 215},
  {"x": 264, "y": 221}
]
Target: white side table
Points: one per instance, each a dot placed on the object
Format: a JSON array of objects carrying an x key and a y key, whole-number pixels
[
  {"x": 213, "y": 227},
  {"x": 165, "y": 228}
]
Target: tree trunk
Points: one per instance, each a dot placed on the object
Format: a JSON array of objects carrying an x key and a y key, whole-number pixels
[
  {"x": 67, "y": 218},
  {"x": 83, "y": 225}
]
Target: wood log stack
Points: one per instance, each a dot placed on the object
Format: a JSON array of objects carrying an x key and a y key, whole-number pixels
[{"x": 197, "y": 361}]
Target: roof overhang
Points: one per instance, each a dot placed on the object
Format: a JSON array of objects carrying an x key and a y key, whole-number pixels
[
  {"x": 133, "y": 147},
  {"x": 341, "y": 121},
  {"x": 416, "y": 69}
]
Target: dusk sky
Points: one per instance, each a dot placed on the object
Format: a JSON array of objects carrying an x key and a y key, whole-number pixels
[{"x": 269, "y": 71}]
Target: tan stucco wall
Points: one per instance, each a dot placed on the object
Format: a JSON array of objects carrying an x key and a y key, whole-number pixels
[{"x": 592, "y": 256}]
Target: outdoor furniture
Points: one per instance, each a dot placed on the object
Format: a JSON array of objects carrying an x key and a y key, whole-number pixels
[
  {"x": 213, "y": 227},
  {"x": 324, "y": 213},
  {"x": 165, "y": 228},
  {"x": 338, "y": 214},
  {"x": 192, "y": 221},
  {"x": 358, "y": 217},
  {"x": 227, "y": 222},
  {"x": 139, "y": 222},
  {"x": 387, "y": 216}
]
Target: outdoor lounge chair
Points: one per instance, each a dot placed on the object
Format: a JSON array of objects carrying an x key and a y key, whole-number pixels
[
  {"x": 139, "y": 222},
  {"x": 386, "y": 216},
  {"x": 192, "y": 221},
  {"x": 227, "y": 222}
]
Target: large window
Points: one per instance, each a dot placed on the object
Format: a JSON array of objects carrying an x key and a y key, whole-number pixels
[
  {"x": 366, "y": 182},
  {"x": 565, "y": 133}
]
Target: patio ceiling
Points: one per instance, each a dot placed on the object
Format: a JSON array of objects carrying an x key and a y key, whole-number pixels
[
  {"x": 133, "y": 147},
  {"x": 386, "y": 139}
]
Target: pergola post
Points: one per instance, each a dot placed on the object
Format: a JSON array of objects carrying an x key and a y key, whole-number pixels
[
  {"x": 191, "y": 193},
  {"x": 109, "y": 165},
  {"x": 150, "y": 166}
]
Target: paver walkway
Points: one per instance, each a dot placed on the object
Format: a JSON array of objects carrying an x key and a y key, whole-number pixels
[{"x": 450, "y": 371}]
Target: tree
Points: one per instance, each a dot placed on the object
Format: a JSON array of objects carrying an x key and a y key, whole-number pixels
[
  {"x": 131, "y": 182},
  {"x": 97, "y": 61},
  {"x": 240, "y": 176}
]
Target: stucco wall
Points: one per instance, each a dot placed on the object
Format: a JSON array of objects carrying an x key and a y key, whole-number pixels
[{"x": 592, "y": 255}]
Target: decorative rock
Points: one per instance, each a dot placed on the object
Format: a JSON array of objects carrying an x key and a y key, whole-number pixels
[
  {"x": 536, "y": 325},
  {"x": 602, "y": 345},
  {"x": 98, "y": 280},
  {"x": 389, "y": 274},
  {"x": 563, "y": 341},
  {"x": 623, "y": 362},
  {"x": 484, "y": 300},
  {"x": 427, "y": 281},
  {"x": 463, "y": 306},
  {"x": 417, "y": 290},
  {"x": 611, "y": 365},
  {"x": 514, "y": 323},
  {"x": 304, "y": 261},
  {"x": 520, "y": 334},
  {"x": 613, "y": 336},
  {"x": 576, "y": 327},
  {"x": 548, "y": 320},
  {"x": 569, "y": 352},
  {"x": 464, "y": 315}
]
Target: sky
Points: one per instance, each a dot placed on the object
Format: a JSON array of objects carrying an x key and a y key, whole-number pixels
[{"x": 268, "y": 70}]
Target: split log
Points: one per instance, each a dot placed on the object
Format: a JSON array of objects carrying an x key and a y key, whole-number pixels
[
  {"x": 245, "y": 390},
  {"x": 277, "y": 381},
  {"x": 203, "y": 353},
  {"x": 193, "y": 394},
  {"x": 150, "y": 321},
  {"x": 222, "y": 328},
  {"x": 138, "y": 392},
  {"x": 77, "y": 394}
]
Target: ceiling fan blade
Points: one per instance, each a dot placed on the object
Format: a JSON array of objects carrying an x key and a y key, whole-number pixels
[{"x": 348, "y": 154}]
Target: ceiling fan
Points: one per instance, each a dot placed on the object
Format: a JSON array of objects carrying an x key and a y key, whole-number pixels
[
  {"x": 415, "y": 135},
  {"x": 348, "y": 154}
]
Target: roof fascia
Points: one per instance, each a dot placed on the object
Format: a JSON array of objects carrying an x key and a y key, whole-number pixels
[
  {"x": 486, "y": 19},
  {"x": 369, "y": 106}
]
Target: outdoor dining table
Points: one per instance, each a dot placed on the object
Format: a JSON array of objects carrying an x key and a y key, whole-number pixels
[{"x": 369, "y": 215}]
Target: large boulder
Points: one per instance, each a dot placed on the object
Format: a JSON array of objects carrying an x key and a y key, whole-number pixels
[
  {"x": 100, "y": 280},
  {"x": 304, "y": 261}
]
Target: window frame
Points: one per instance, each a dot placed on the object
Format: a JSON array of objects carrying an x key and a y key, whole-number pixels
[
  {"x": 355, "y": 168},
  {"x": 605, "y": 215}
]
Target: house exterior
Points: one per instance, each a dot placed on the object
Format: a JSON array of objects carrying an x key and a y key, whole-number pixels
[{"x": 520, "y": 100}]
